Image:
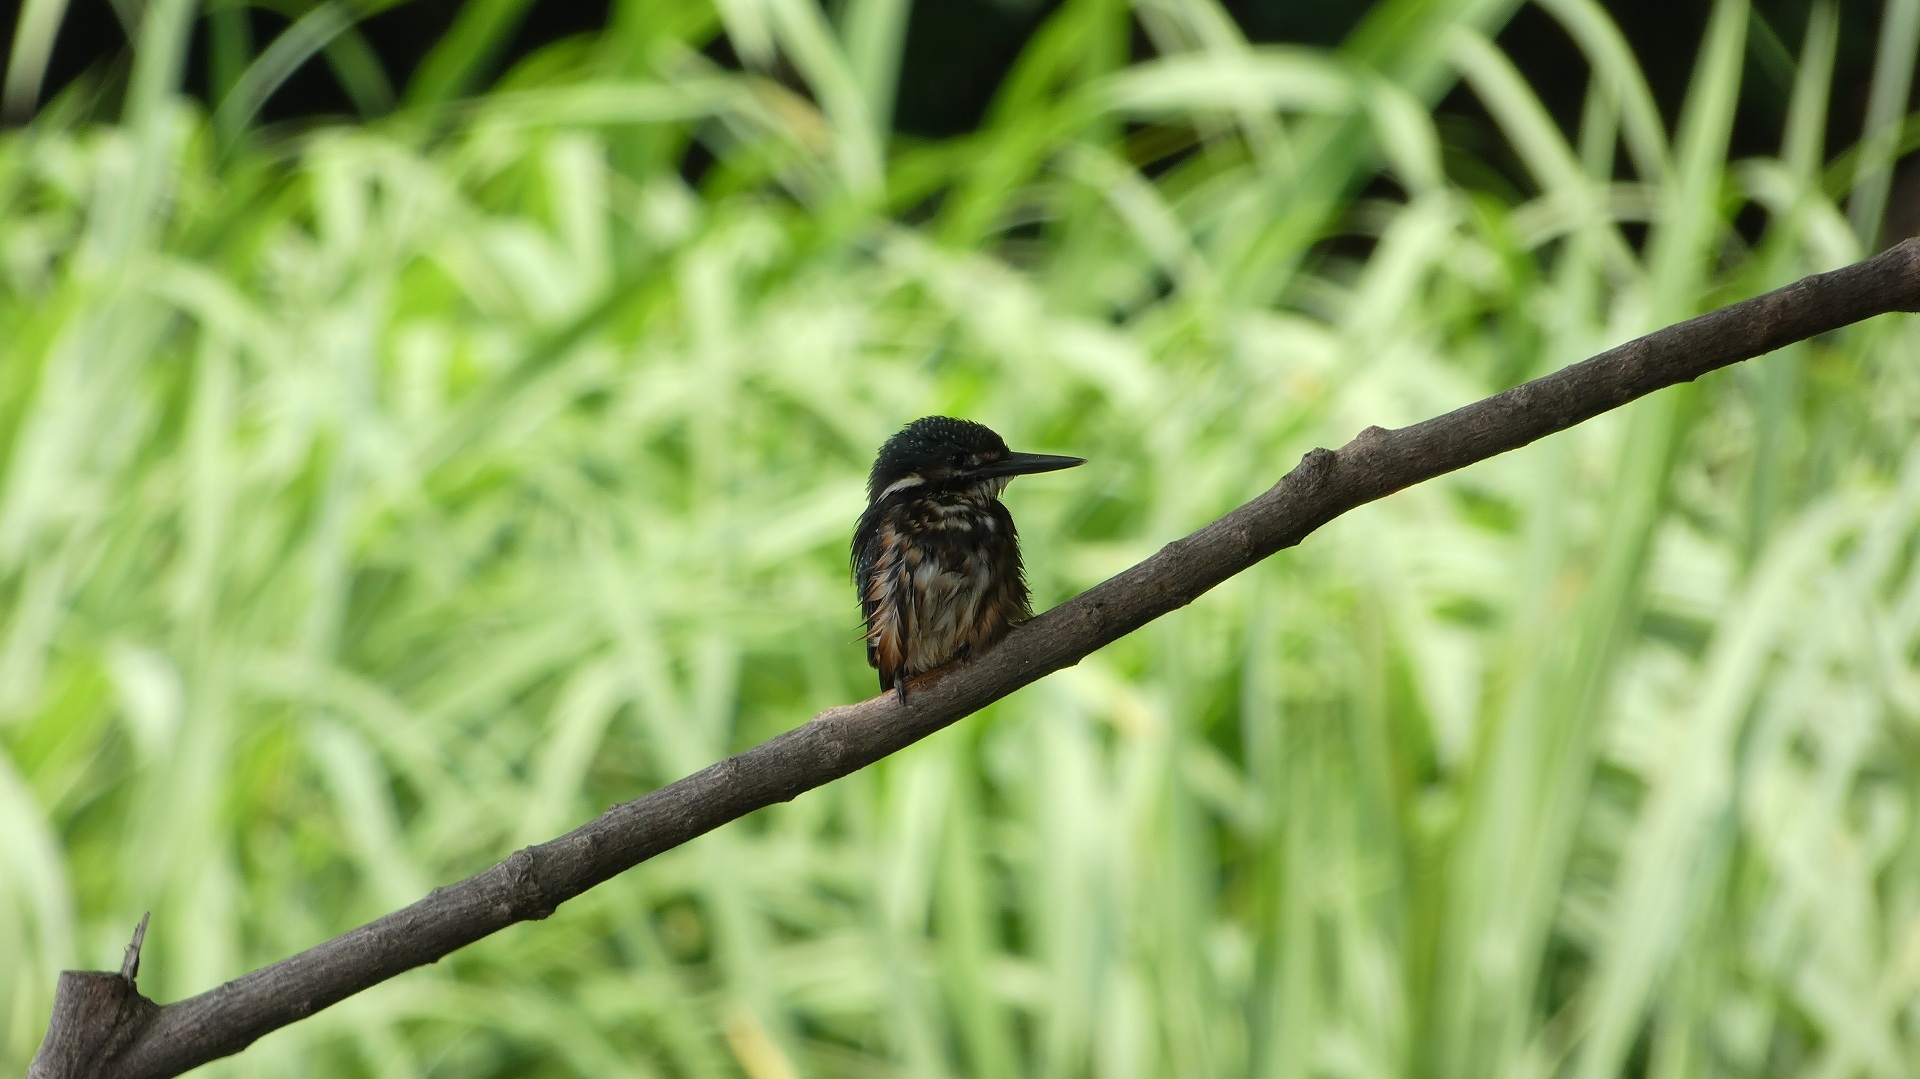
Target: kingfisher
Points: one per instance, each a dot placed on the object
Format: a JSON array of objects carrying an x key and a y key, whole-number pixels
[{"x": 935, "y": 555}]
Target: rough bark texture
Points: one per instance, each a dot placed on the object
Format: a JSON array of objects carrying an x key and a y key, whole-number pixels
[
  {"x": 97, "y": 1017},
  {"x": 102, "y": 1027}
]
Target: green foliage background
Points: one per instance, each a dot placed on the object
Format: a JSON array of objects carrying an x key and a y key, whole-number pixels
[{"x": 376, "y": 499}]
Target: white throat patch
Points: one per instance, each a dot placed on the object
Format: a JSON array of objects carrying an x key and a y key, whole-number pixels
[{"x": 900, "y": 485}]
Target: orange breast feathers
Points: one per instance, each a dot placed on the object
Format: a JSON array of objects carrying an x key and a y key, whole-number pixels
[{"x": 940, "y": 586}]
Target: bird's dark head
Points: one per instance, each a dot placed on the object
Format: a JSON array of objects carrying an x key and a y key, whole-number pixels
[{"x": 944, "y": 454}]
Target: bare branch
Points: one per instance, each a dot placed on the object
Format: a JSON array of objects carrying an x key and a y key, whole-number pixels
[
  {"x": 102, "y": 1027},
  {"x": 98, "y": 1018}
]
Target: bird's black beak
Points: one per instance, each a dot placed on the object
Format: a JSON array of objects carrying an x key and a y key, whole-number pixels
[{"x": 1025, "y": 464}]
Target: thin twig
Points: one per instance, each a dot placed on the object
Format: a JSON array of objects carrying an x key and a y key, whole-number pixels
[
  {"x": 1326, "y": 484},
  {"x": 130, "y": 963}
]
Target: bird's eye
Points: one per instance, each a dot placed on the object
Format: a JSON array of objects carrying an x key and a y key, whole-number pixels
[{"x": 956, "y": 459}]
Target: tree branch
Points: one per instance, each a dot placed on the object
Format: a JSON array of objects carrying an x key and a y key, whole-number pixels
[{"x": 102, "y": 1027}]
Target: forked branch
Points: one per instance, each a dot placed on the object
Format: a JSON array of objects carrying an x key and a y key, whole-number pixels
[{"x": 101, "y": 1026}]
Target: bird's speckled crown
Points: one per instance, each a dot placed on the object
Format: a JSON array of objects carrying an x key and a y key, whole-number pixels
[{"x": 928, "y": 442}]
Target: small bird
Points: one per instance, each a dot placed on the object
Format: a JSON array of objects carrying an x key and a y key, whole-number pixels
[{"x": 935, "y": 555}]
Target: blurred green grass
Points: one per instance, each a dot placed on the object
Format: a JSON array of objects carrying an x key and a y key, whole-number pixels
[{"x": 378, "y": 499}]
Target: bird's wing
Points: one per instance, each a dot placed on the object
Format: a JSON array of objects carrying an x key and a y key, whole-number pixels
[{"x": 876, "y": 572}]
